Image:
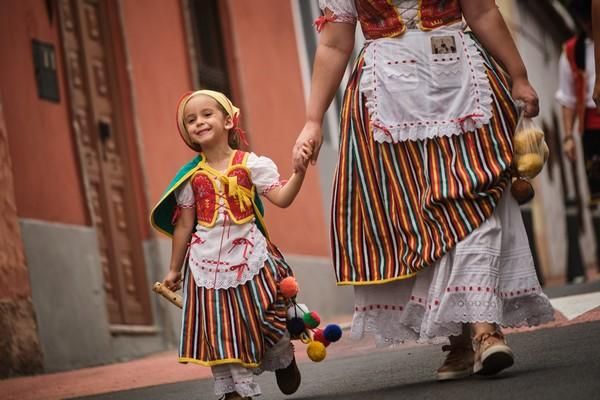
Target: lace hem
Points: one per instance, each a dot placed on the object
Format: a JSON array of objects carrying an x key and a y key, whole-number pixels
[
  {"x": 470, "y": 120},
  {"x": 416, "y": 321},
  {"x": 245, "y": 388}
]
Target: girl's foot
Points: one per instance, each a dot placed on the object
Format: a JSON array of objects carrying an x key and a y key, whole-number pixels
[
  {"x": 288, "y": 378},
  {"x": 492, "y": 354}
]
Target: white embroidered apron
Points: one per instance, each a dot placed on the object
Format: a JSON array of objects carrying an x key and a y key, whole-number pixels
[{"x": 425, "y": 84}]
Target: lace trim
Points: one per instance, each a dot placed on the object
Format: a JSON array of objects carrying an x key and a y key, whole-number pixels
[
  {"x": 245, "y": 387},
  {"x": 418, "y": 130},
  {"x": 421, "y": 322},
  {"x": 274, "y": 185}
]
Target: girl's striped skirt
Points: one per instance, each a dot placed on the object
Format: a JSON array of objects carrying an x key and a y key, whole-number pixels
[
  {"x": 398, "y": 207},
  {"x": 235, "y": 325}
]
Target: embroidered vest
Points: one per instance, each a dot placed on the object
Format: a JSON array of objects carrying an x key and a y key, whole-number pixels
[
  {"x": 237, "y": 192},
  {"x": 379, "y": 18}
]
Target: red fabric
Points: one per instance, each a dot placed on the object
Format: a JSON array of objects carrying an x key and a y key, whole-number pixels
[
  {"x": 322, "y": 20},
  {"x": 592, "y": 119},
  {"x": 434, "y": 16},
  {"x": 206, "y": 198},
  {"x": 579, "y": 80},
  {"x": 378, "y": 19}
]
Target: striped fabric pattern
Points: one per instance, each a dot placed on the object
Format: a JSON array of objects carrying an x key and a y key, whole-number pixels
[
  {"x": 398, "y": 207},
  {"x": 235, "y": 325}
]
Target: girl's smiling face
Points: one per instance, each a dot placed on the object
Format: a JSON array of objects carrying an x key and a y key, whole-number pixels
[{"x": 206, "y": 122}]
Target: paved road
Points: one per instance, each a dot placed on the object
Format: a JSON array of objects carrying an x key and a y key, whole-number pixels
[{"x": 561, "y": 363}]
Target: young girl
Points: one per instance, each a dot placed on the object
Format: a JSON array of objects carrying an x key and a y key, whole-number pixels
[{"x": 234, "y": 316}]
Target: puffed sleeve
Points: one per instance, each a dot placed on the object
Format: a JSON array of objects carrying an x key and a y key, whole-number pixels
[
  {"x": 265, "y": 175},
  {"x": 336, "y": 11},
  {"x": 565, "y": 95},
  {"x": 184, "y": 195}
]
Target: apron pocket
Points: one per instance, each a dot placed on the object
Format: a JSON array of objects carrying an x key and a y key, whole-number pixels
[
  {"x": 399, "y": 76},
  {"x": 446, "y": 71}
]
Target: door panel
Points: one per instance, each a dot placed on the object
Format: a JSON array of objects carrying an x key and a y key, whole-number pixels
[{"x": 97, "y": 114}]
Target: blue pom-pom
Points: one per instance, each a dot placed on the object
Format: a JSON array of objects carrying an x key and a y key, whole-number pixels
[
  {"x": 332, "y": 332},
  {"x": 295, "y": 326}
]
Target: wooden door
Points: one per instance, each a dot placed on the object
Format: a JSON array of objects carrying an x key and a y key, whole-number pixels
[{"x": 92, "y": 43}]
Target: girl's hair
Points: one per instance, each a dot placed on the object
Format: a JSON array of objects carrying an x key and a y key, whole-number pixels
[{"x": 233, "y": 136}]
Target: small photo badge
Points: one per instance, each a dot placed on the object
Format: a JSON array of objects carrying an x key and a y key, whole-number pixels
[{"x": 443, "y": 45}]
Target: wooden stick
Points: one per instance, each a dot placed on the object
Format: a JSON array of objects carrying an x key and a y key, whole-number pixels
[{"x": 168, "y": 294}]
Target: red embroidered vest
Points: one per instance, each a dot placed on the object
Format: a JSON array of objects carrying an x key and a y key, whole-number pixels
[
  {"x": 379, "y": 18},
  {"x": 237, "y": 190}
]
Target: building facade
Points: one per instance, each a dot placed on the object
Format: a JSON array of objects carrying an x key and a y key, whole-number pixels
[{"x": 88, "y": 142}]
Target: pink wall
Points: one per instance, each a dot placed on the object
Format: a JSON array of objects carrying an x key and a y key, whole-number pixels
[
  {"x": 156, "y": 47},
  {"x": 45, "y": 167},
  {"x": 273, "y": 110}
]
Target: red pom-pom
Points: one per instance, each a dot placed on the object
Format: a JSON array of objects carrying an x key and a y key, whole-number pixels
[
  {"x": 311, "y": 320},
  {"x": 288, "y": 287},
  {"x": 319, "y": 336}
]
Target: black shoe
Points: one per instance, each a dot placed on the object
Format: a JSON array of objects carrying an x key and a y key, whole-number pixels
[{"x": 288, "y": 378}]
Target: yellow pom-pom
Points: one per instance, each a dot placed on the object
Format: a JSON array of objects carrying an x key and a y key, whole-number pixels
[
  {"x": 316, "y": 351},
  {"x": 529, "y": 165}
]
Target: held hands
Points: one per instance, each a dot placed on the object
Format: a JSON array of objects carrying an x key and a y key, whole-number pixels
[
  {"x": 307, "y": 146},
  {"x": 173, "y": 280},
  {"x": 524, "y": 92}
]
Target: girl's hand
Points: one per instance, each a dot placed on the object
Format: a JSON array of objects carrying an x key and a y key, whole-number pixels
[
  {"x": 173, "y": 280},
  {"x": 306, "y": 152},
  {"x": 523, "y": 91},
  {"x": 311, "y": 134}
]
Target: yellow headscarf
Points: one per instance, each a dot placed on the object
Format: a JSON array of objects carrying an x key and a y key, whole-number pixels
[{"x": 220, "y": 98}]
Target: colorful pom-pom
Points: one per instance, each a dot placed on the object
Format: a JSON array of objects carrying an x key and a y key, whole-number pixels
[
  {"x": 297, "y": 310},
  {"x": 319, "y": 336},
  {"x": 316, "y": 351},
  {"x": 311, "y": 319},
  {"x": 288, "y": 287},
  {"x": 332, "y": 332},
  {"x": 295, "y": 326}
]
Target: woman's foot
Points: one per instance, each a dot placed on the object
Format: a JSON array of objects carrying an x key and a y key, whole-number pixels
[
  {"x": 234, "y": 396},
  {"x": 288, "y": 378},
  {"x": 492, "y": 354},
  {"x": 459, "y": 361}
]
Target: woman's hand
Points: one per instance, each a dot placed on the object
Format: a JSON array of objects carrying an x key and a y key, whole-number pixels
[
  {"x": 569, "y": 147},
  {"x": 524, "y": 92},
  {"x": 173, "y": 280},
  {"x": 311, "y": 136}
]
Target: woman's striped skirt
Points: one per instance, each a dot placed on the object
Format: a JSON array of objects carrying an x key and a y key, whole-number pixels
[
  {"x": 398, "y": 207},
  {"x": 235, "y": 325}
]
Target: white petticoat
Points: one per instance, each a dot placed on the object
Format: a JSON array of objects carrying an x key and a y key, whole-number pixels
[
  {"x": 235, "y": 378},
  {"x": 487, "y": 277}
]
